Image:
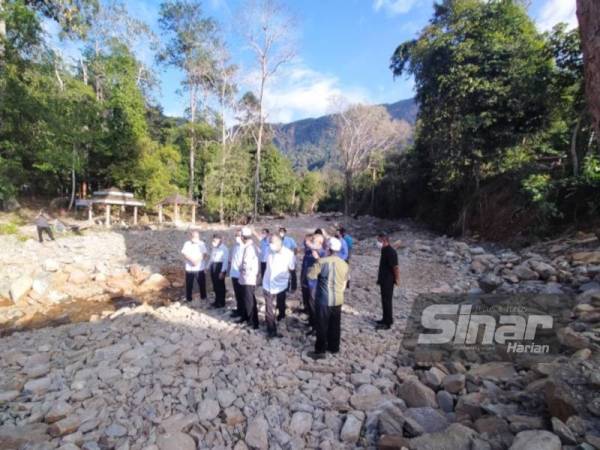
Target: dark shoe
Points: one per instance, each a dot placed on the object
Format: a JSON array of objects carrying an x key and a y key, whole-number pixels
[
  {"x": 255, "y": 326},
  {"x": 311, "y": 332},
  {"x": 241, "y": 320},
  {"x": 315, "y": 355},
  {"x": 333, "y": 352},
  {"x": 273, "y": 334},
  {"x": 235, "y": 313},
  {"x": 280, "y": 317},
  {"x": 214, "y": 305},
  {"x": 382, "y": 326},
  {"x": 379, "y": 322}
]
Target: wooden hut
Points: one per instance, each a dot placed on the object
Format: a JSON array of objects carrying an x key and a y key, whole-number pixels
[
  {"x": 177, "y": 200},
  {"x": 108, "y": 198}
]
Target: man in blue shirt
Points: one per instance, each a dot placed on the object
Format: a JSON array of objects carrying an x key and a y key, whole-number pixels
[
  {"x": 290, "y": 243},
  {"x": 263, "y": 238},
  {"x": 348, "y": 239}
]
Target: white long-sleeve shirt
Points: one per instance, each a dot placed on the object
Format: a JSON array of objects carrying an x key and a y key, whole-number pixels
[
  {"x": 220, "y": 254},
  {"x": 250, "y": 265},
  {"x": 277, "y": 275},
  {"x": 236, "y": 260}
]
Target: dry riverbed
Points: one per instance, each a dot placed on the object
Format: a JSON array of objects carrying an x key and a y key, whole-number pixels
[{"x": 125, "y": 366}]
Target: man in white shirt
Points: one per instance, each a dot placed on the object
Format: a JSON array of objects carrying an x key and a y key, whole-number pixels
[
  {"x": 219, "y": 260},
  {"x": 249, "y": 269},
  {"x": 280, "y": 263},
  {"x": 234, "y": 272},
  {"x": 194, "y": 252},
  {"x": 289, "y": 242}
]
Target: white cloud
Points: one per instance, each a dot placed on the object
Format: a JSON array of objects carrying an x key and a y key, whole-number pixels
[
  {"x": 555, "y": 11},
  {"x": 298, "y": 92},
  {"x": 394, "y": 7}
]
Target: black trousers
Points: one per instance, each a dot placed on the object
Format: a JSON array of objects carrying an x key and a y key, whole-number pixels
[
  {"x": 251, "y": 308},
  {"x": 293, "y": 284},
  {"x": 328, "y": 321},
  {"x": 47, "y": 230},
  {"x": 218, "y": 283},
  {"x": 279, "y": 299},
  {"x": 189, "y": 284},
  {"x": 309, "y": 304},
  {"x": 238, "y": 292},
  {"x": 387, "y": 293},
  {"x": 263, "y": 269}
]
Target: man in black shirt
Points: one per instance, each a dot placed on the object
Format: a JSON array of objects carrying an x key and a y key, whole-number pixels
[{"x": 389, "y": 274}]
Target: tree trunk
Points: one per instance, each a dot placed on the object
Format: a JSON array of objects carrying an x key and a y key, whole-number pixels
[
  {"x": 192, "y": 142},
  {"x": 574, "y": 159},
  {"x": 261, "y": 124},
  {"x": 588, "y": 15},
  {"x": 347, "y": 192},
  {"x": 223, "y": 161},
  {"x": 372, "y": 208},
  {"x": 2, "y": 30}
]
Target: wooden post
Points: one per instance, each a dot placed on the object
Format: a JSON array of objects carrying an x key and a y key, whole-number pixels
[
  {"x": 135, "y": 209},
  {"x": 176, "y": 213},
  {"x": 107, "y": 214},
  {"x": 160, "y": 214},
  {"x": 90, "y": 213},
  {"x": 194, "y": 214}
]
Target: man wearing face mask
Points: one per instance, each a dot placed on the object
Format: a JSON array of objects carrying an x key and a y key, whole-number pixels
[
  {"x": 234, "y": 273},
  {"x": 280, "y": 262},
  {"x": 388, "y": 275},
  {"x": 249, "y": 268},
  {"x": 290, "y": 243},
  {"x": 194, "y": 252},
  {"x": 313, "y": 250},
  {"x": 219, "y": 260}
]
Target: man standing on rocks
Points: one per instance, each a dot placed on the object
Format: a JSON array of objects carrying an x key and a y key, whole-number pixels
[
  {"x": 290, "y": 243},
  {"x": 219, "y": 260},
  {"x": 249, "y": 268},
  {"x": 313, "y": 249},
  {"x": 331, "y": 274},
  {"x": 234, "y": 273},
  {"x": 194, "y": 252},
  {"x": 42, "y": 225},
  {"x": 280, "y": 262},
  {"x": 388, "y": 275}
]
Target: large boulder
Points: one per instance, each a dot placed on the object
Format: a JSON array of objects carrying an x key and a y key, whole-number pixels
[
  {"x": 20, "y": 287},
  {"x": 586, "y": 257},
  {"x": 155, "y": 282},
  {"x": 455, "y": 437}
]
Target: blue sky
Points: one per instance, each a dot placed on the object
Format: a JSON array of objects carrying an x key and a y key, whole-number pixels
[{"x": 342, "y": 46}]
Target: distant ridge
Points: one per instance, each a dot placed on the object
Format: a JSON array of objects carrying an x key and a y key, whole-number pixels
[{"x": 307, "y": 142}]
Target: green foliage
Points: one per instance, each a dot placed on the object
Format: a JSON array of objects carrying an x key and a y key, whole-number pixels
[
  {"x": 278, "y": 182},
  {"x": 310, "y": 191}
]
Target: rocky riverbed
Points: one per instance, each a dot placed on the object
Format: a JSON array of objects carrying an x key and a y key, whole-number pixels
[{"x": 129, "y": 367}]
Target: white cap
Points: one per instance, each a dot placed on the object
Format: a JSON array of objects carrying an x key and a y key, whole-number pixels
[
  {"x": 335, "y": 244},
  {"x": 246, "y": 232}
]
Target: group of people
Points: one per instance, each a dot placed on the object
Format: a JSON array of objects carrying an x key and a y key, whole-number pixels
[{"x": 324, "y": 277}]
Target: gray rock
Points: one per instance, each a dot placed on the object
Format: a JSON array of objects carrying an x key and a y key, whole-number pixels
[
  {"x": 416, "y": 394},
  {"x": 445, "y": 400},
  {"x": 351, "y": 429},
  {"x": 208, "y": 409},
  {"x": 175, "y": 441},
  {"x": 226, "y": 397},
  {"x": 256, "y": 433},
  {"x": 430, "y": 419},
  {"x": 367, "y": 397},
  {"x": 454, "y": 383},
  {"x": 301, "y": 423},
  {"x": 115, "y": 430},
  {"x": 455, "y": 437},
  {"x": 490, "y": 282},
  {"x": 536, "y": 439}
]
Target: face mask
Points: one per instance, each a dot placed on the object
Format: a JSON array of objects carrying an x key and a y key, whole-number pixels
[
  {"x": 282, "y": 235},
  {"x": 379, "y": 244},
  {"x": 216, "y": 243},
  {"x": 238, "y": 239},
  {"x": 274, "y": 248}
]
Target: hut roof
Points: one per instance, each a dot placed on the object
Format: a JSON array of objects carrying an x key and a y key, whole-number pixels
[{"x": 179, "y": 199}]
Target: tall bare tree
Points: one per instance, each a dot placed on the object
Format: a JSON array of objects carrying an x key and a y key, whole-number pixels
[
  {"x": 268, "y": 30},
  {"x": 360, "y": 132},
  {"x": 588, "y": 15},
  {"x": 190, "y": 49}
]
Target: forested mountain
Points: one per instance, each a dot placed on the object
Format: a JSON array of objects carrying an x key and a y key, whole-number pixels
[{"x": 307, "y": 142}]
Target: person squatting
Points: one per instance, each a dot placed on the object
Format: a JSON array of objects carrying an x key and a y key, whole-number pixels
[{"x": 324, "y": 277}]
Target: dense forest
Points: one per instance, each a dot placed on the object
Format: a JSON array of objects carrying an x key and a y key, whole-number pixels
[{"x": 503, "y": 139}]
